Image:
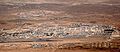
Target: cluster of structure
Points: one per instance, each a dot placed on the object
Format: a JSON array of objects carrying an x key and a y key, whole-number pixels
[
  {"x": 57, "y": 31},
  {"x": 37, "y": 14}
]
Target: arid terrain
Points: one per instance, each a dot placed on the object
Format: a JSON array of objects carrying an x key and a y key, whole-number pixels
[{"x": 59, "y": 25}]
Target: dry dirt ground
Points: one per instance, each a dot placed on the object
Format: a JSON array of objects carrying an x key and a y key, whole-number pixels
[
  {"x": 16, "y": 13},
  {"x": 26, "y": 46}
]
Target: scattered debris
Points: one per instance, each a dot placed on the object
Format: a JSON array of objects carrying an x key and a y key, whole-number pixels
[{"x": 38, "y": 46}]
